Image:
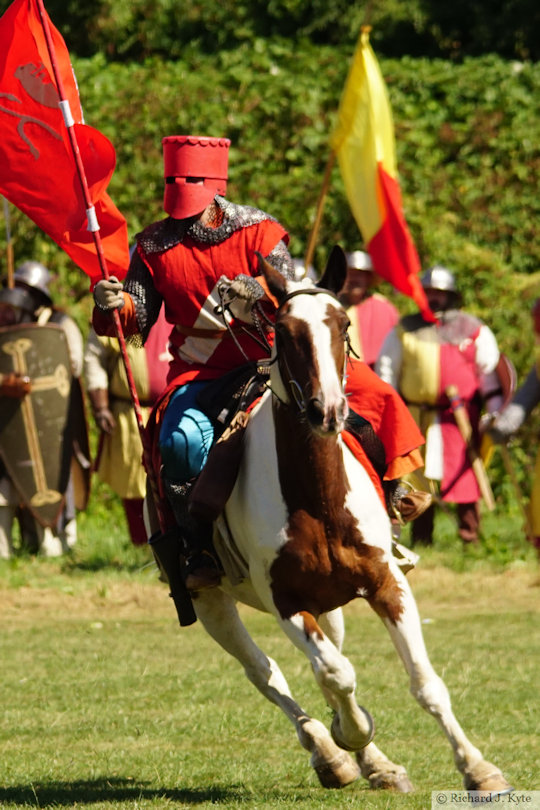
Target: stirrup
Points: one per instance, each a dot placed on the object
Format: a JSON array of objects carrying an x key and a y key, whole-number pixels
[
  {"x": 201, "y": 571},
  {"x": 410, "y": 505},
  {"x": 405, "y": 558}
]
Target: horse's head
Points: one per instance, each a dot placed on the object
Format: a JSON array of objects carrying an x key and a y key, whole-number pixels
[{"x": 310, "y": 345}]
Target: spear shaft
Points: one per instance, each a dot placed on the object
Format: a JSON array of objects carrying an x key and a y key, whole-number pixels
[
  {"x": 93, "y": 227},
  {"x": 9, "y": 246}
]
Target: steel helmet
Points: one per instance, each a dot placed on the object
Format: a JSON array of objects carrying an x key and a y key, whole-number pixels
[
  {"x": 195, "y": 170},
  {"x": 359, "y": 260},
  {"x": 18, "y": 299},
  {"x": 439, "y": 278},
  {"x": 35, "y": 276}
]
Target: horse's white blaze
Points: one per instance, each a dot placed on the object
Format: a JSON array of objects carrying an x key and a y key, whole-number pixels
[{"x": 312, "y": 312}]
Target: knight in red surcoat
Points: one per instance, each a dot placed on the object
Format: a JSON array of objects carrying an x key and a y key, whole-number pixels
[{"x": 204, "y": 253}]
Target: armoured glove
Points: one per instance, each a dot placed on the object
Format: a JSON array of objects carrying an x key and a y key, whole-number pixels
[
  {"x": 507, "y": 423},
  {"x": 239, "y": 295},
  {"x": 14, "y": 386},
  {"x": 108, "y": 294}
]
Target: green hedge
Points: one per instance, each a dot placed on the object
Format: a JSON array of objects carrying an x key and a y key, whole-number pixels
[
  {"x": 467, "y": 141},
  {"x": 136, "y": 29}
]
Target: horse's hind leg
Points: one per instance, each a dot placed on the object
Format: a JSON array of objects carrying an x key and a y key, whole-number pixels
[
  {"x": 375, "y": 766},
  {"x": 403, "y": 623},
  {"x": 219, "y": 615}
]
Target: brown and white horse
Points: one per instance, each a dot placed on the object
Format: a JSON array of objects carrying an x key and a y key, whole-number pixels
[{"x": 314, "y": 535}]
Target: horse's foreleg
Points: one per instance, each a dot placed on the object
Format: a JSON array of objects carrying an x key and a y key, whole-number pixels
[
  {"x": 375, "y": 766},
  {"x": 352, "y": 727},
  {"x": 403, "y": 624},
  {"x": 333, "y": 624},
  {"x": 219, "y": 615}
]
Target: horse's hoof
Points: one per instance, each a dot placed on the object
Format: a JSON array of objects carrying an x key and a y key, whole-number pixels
[
  {"x": 337, "y": 736},
  {"x": 487, "y": 778},
  {"x": 391, "y": 780},
  {"x": 338, "y": 772}
]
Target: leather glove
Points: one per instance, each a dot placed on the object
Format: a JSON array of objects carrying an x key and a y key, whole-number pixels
[
  {"x": 99, "y": 399},
  {"x": 507, "y": 423},
  {"x": 108, "y": 294},
  {"x": 14, "y": 386},
  {"x": 239, "y": 295}
]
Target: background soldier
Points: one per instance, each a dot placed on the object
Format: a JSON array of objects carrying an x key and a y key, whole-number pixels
[
  {"x": 371, "y": 315},
  {"x": 510, "y": 420},
  {"x": 421, "y": 359},
  {"x": 119, "y": 457},
  {"x": 29, "y": 301}
]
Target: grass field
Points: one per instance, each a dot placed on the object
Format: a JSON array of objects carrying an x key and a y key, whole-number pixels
[{"x": 107, "y": 703}]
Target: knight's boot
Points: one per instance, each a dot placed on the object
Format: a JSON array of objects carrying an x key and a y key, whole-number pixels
[
  {"x": 403, "y": 502},
  {"x": 201, "y": 568}
]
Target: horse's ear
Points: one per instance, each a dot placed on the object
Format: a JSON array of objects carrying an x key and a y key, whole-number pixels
[
  {"x": 335, "y": 271},
  {"x": 276, "y": 282}
]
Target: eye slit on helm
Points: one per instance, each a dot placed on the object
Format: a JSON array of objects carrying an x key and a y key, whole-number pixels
[{"x": 194, "y": 179}]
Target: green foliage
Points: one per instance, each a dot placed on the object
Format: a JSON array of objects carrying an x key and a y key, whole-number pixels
[
  {"x": 467, "y": 139},
  {"x": 136, "y": 29}
]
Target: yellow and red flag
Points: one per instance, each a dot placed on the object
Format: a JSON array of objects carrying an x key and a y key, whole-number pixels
[
  {"x": 37, "y": 170},
  {"x": 363, "y": 141}
]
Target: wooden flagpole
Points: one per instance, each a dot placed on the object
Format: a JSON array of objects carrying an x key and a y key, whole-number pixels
[
  {"x": 320, "y": 207},
  {"x": 310, "y": 250}
]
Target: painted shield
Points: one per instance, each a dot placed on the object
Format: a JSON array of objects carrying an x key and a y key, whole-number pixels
[{"x": 35, "y": 434}]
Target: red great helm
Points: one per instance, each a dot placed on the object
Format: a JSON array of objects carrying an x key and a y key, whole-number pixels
[{"x": 187, "y": 158}]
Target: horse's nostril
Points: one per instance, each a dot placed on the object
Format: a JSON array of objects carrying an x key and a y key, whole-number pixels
[{"x": 315, "y": 411}]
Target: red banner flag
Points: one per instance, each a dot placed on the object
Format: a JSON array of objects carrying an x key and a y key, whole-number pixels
[
  {"x": 37, "y": 168},
  {"x": 363, "y": 141}
]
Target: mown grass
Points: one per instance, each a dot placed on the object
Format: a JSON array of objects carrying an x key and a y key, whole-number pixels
[{"x": 108, "y": 704}]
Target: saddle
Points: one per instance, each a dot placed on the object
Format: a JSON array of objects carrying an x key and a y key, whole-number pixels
[{"x": 227, "y": 403}]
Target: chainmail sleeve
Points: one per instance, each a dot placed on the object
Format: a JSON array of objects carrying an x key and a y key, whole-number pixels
[
  {"x": 280, "y": 258},
  {"x": 146, "y": 299}
]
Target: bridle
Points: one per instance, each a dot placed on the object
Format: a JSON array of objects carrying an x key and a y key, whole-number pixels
[
  {"x": 296, "y": 389},
  {"x": 297, "y": 392},
  {"x": 306, "y": 291}
]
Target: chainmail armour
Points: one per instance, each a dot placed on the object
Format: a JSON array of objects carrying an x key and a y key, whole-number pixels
[
  {"x": 167, "y": 233},
  {"x": 454, "y": 327}
]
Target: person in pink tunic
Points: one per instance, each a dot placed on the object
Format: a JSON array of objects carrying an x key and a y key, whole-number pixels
[
  {"x": 371, "y": 315},
  {"x": 421, "y": 360}
]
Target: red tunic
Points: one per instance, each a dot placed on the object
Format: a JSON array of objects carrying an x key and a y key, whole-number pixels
[
  {"x": 389, "y": 417},
  {"x": 186, "y": 277}
]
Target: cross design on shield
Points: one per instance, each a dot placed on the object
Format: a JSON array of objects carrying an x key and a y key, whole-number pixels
[{"x": 58, "y": 380}]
